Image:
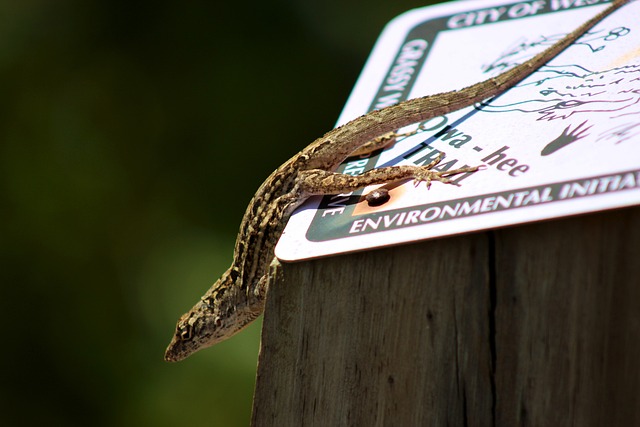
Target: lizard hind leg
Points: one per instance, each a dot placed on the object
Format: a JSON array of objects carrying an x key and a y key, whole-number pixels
[
  {"x": 426, "y": 174},
  {"x": 320, "y": 182},
  {"x": 383, "y": 141}
]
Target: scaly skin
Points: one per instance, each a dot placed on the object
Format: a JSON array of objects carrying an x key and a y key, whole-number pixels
[{"x": 238, "y": 297}]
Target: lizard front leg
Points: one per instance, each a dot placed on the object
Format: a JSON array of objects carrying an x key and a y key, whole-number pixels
[{"x": 318, "y": 181}]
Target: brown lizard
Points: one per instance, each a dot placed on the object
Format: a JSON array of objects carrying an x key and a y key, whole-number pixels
[{"x": 238, "y": 297}]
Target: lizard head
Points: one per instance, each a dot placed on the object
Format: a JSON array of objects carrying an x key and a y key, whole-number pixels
[
  {"x": 219, "y": 315},
  {"x": 195, "y": 330}
]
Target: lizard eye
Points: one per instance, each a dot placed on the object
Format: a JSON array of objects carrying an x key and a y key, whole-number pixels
[{"x": 185, "y": 332}]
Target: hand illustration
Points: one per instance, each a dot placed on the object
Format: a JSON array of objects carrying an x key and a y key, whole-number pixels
[{"x": 567, "y": 137}]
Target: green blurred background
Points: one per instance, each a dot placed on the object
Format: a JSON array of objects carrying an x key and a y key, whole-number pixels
[{"x": 133, "y": 135}]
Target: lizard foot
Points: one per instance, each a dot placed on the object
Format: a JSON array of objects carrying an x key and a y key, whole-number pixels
[{"x": 426, "y": 173}]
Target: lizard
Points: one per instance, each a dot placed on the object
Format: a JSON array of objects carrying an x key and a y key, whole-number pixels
[{"x": 237, "y": 298}]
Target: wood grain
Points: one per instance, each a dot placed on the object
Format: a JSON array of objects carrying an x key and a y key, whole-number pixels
[
  {"x": 568, "y": 311},
  {"x": 530, "y": 325},
  {"x": 359, "y": 339}
]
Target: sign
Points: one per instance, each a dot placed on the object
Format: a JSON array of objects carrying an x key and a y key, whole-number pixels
[{"x": 563, "y": 142}]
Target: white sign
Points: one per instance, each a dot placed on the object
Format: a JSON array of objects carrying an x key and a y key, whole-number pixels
[{"x": 563, "y": 142}]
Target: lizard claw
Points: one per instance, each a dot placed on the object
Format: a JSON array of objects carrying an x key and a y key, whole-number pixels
[{"x": 427, "y": 175}]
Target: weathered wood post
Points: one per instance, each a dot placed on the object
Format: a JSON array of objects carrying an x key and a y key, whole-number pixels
[{"x": 531, "y": 325}]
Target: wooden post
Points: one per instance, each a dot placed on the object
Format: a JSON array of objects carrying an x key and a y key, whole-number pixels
[{"x": 531, "y": 325}]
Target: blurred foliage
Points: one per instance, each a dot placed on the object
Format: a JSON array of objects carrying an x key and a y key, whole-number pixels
[{"x": 132, "y": 135}]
